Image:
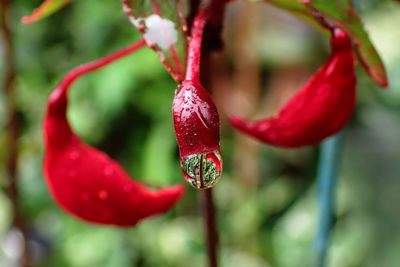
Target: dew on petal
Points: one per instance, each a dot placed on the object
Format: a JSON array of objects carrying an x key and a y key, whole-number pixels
[
  {"x": 103, "y": 194},
  {"x": 202, "y": 170}
]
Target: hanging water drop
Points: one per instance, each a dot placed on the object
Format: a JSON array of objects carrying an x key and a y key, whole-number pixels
[{"x": 202, "y": 170}]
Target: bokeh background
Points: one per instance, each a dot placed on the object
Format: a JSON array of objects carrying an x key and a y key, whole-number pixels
[{"x": 266, "y": 199}]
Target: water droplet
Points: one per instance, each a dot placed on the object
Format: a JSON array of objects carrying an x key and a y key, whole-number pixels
[
  {"x": 202, "y": 170},
  {"x": 103, "y": 194}
]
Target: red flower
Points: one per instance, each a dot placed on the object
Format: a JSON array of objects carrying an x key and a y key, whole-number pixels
[
  {"x": 320, "y": 109},
  {"x": 85, "y": 181},
  {"x": 90, "y": 185},
  {"x": 196, "y": 119}
]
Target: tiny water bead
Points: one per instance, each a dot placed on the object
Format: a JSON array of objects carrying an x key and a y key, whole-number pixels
[{"x": 202, "y": 170}]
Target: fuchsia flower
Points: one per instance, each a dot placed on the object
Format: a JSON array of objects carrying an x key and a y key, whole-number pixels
[
  {"x": 196, "y": 119},
  {"x": 85, "y": 181},
  {"x": 88, "y": 184},
  {"x": 320, "y": 109}
]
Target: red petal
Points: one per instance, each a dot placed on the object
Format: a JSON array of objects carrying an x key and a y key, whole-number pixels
[
  {"x": 320, "y": 109},
  {"x": 85, "y": 181}
]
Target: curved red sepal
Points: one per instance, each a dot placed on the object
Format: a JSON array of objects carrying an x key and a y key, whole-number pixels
[
  {"x": 320, "y": 109},
  {"x": 86, "y": 182},
  {"x": 196, "y": 120}
]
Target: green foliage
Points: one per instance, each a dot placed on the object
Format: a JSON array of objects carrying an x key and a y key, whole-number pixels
[
  {"x": 343, "y": 14},
  {"x": 47, "y": 8}
]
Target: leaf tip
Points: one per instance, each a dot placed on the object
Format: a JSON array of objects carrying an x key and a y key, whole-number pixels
[
  {"x": 379, "y": 77},
  {"x": 27, "y": 19}
]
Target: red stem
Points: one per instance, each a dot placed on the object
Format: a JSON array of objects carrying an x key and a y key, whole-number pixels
[
  {"x": 94, "y": 65},
  {"x": 156, "y": 7},
  {"x": 194, "y": 53},
  {"x": 193, "y": 74},
  {"x": 209, "y": 220}
]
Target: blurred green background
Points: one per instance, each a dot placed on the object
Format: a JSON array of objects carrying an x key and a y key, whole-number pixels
[{"x": 266, "y": 199}]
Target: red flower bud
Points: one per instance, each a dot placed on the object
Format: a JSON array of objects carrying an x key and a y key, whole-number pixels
[
  {"x": 320, "y": 109},
  {"x": 196, "y": 119},
  {"x": 196, "y": 124},
  {"x": 86, "y": 182}
]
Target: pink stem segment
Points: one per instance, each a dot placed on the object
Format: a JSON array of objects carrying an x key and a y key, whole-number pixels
[
  {"x": 194, "y": 54},
  {"x": 94, "y": 65}
]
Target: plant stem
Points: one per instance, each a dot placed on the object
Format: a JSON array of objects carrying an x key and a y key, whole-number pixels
[
  {"x": 94, "y": 65},
  {"x": 194, "y": 7},
  {"x": 216, "y": 9},
  {"x": 194, "y": 50},
  {"x": 12, "y": 128},
  {"x": 326, "y": 183},
  {"x": 209, "y": 221}
]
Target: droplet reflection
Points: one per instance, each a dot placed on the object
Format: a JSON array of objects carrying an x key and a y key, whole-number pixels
[{"x": 203, "y": 170}]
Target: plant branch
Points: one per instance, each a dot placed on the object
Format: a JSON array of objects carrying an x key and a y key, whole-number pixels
[
  {"x": 326, "y": 183},
  {"x": 94, "y": 65},
  {"x": 213, "y": 31},
  {"x": 214, "y": 13},
  {"x": 209, "y": 221},
  {"x": 194, "y": 51},
  {"x": 194, "y": 7},
  {"x": 12, "y": 127}
]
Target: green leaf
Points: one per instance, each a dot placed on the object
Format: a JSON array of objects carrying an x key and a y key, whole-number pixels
[
  {"x": 163, "y": 26},
  {"x": 47, "y": 8},
  {"x": 341, "y": 13}
]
